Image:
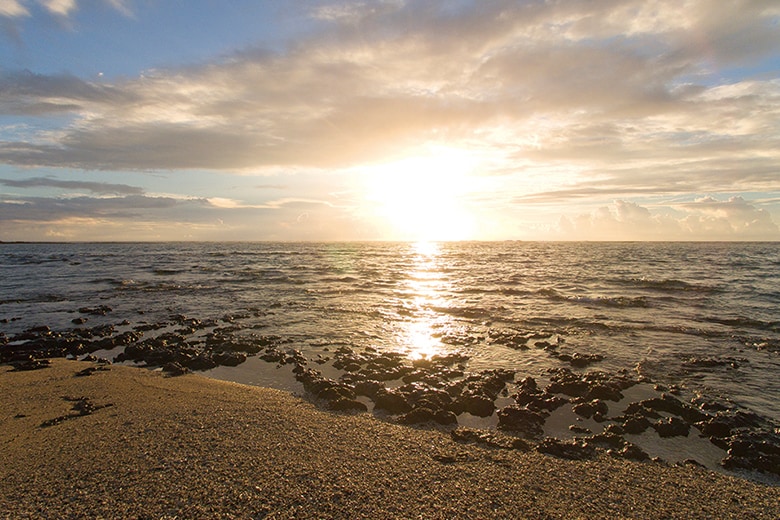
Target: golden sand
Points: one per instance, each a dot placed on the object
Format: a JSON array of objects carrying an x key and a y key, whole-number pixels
[{"x": 131, "y": 443}]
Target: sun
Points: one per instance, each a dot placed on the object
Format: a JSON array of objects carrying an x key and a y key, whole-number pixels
[{"x": 423, "y": 197}]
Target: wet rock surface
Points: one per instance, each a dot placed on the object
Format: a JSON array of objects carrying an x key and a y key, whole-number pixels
[{"x": 516, "y": 409}]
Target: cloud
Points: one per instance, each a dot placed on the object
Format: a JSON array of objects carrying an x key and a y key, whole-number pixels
[
  {"x": 574, "y": 101},
  {"x": 61, "y": 8},
  {"x": 703, "y": 219},
  {"x": 13, "y": 9},
  {"x": 30, "y": 94},
  {"x": 388, "y": 76},
  {"x": 94, "y": 187}
]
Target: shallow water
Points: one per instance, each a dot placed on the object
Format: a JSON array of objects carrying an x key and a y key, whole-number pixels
[{"x": 702, "y": 315}]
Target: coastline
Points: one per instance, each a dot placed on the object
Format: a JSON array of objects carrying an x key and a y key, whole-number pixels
[{"x": 133, "y": 443}]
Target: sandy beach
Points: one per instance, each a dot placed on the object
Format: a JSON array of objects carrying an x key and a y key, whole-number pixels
[{"x": 131, "y": 443}]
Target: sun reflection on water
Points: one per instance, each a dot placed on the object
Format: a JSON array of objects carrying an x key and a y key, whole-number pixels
[{"x": 426, "y": 285}]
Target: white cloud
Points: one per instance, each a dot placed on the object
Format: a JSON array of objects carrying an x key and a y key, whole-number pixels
[
  {"x": 60, "y": 7},
  {"x": 13, "y": 9},
  {"x": 568, "y": 101},
  {"x": 702, "y": 219}
]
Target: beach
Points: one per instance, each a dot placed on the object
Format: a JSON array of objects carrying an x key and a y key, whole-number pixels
[{"x": 123, "y": 442}]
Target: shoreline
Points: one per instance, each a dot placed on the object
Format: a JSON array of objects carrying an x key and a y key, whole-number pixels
[{"x": 133, "y": 443}]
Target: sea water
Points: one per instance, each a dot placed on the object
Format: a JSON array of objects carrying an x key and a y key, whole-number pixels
[{"x": 704, "y": 316}]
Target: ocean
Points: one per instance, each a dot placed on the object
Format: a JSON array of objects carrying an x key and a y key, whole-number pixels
[{"x": 700, "y": 317}]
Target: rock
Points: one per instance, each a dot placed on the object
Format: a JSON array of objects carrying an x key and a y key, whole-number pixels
[
  {"x": 579, "y": 429},
  {"x": 715, "y": 427},
  {"x": 417, "y": 416},
  {"x": 101, "y": 310},
  {"x": 522, "y": 420},
  {"x": 229, "y": 359},
  {"x": 490, "y": 438},
  {"x": 614, "y": 429},
  {"x": 174, "y": 369},
  {"x": 606, "y": 440},
  {"x": 670, "y": 404},
  {"x": 528, "y": 385},
  {"x": 445, "y": 417},
  {"x": 607, "y": 391},
  {"x": 671, "y": 427},
  {"x": 393, "y": 402},
  {"x": 633, "y": 452},
  {"x": 478, "y": 405},
  {"x": 347, "y": 405},
  {"x": 331, "y": 391},
  {"x": 545, "y": 401},
  {"x": 31, "y": 364},
  {"x": 755, "y": 451},
  {"x": 580, "y": 360},
  {"x": 90, "y": 370},
  {"x": 636, "y": 424},
  {"x": 368, "y": 388},
  {"x": 573, "y": 450},
  {"x": 201, "y": 362}
]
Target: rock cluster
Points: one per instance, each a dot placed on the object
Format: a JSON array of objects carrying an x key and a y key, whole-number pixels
[{"x": 433, "y": 391}]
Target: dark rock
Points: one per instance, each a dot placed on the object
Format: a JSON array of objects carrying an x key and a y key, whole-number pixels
[
  {"x": 391, "y": 401},
  {"x": 201, "y": 362},
  {"x": 368, "y": 388},
  {"x": 670, "y": 404},
  {"x": 583, "y": 409},
  {"x": 672, "y": 427},
  {"x": 528, "y": 385},
  {"x": 330, "y": 391},
  {"x": 633, "y": 452},
  {"x": 522, "y": 420},
  {"x": 614, "y": 429},
  {"x": 715, "y": 427},
  {"x": 690, "y": 462},
  {"x": 478, "y": 405},
  {"x": 606, "y": 440},
  {"x": 78, "y": 321},
  {"x": 347, "y": 405},
  {"x": 174, "y": 369},
  {"x": 580, "y": 360},
  {"x": 579, "y": 429},
  {"x": 101, "y": 310},
  {"x": 417, "y": 416},
  {"x": 90, "y": 370},
  {"x": 636, "y": 424},
  {"x": 489, "y": 438},
  {"x": 229, "y": 359},
  {"x": 31, "y": 364},
  {"x": 445, "y": 417},
  {"x": 573, "y": 450},
  {"x": 546, "y": 402},
  {"x": 607, "y": 391}
]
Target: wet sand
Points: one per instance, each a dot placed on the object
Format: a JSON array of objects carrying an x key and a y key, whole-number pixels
[{"x": 130, "y": 443}]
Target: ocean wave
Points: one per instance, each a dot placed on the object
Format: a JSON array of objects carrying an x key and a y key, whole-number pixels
[
  {"x": 167, "y": 272},
  {"x": 670, "y": 285},
  {"x": 606, "y": 301},
  {"x": 740, "y": 321}
]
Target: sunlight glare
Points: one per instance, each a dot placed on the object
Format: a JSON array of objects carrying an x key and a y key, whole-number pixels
[{"x": 421, "y": 198}]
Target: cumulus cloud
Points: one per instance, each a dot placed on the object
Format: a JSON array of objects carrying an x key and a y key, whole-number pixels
[
  {"x": 605, "y": 86},
  {"x": 702, "y": 219},
  {"x": 571, "y": 102}
]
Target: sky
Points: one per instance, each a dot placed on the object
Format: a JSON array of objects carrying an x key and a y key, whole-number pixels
[{"x": 389, "y": 120}]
